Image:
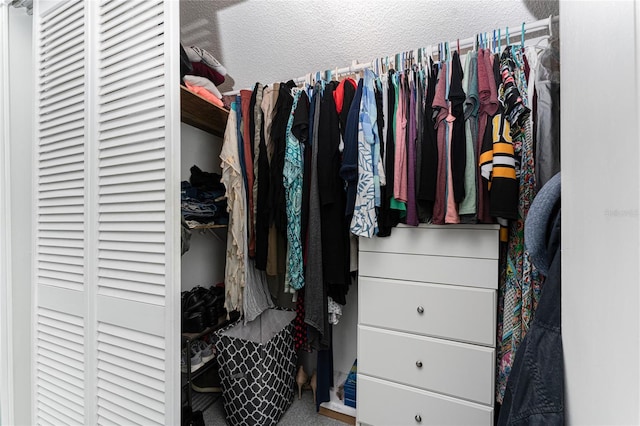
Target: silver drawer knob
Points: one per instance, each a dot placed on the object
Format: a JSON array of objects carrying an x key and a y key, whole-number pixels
[
  {"x": 418, "y": 418},
  {"x": 420, "y": 310},
  {"x": 419, "y": 364}
]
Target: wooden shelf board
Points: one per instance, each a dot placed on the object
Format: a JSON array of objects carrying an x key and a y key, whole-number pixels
[
  {"x": 341, "y": 417},
  {"x": 200, "y": 113},
  {"x": 208, "y": 226}
]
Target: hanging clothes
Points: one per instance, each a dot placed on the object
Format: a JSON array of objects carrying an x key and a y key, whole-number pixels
[
  {"x": 487, "y": 93},
  {"x": 400, "y": 168},
  {"x": 548, "y": 112},
  {"x": 335, "y": 231},
  {"x": 457, "y": 98},
  {"x": 292, "y": 182},
  {"x": 412, "y": 208},
  {"x": 441, "y": 109},
  {"x": 520, "y": 282},
  {"x": 419, "y": 117},
  {"x": 349, "y": 167},
  {"x": 429, "y": 164},
  {"x": 262, "y": 180},
  {"x": 389, "y": 216},
  {"x": 315, "y": 291},
  {"x": 364, "y": 222},
  {"x": 234, "y": 274},
  {"x": 467, "y": 208},
  {"x": 247, "y": 99},
  {"x": 257, "y": 129},
  {"x": 265, "y": 258}
]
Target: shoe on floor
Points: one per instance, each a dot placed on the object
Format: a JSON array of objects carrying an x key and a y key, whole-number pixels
[
  {"x": 206, "y": 350},
  {"x": 196, "y": 360}
]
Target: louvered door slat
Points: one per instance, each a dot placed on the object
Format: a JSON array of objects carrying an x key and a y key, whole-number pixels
[
  {"x": 152, "y": 104},
  {"x": 131, "y": 77},
  {"x": 152, "y": 26},
  {"x": 63, "y": 11},
  {"x": 62, "y": 149},
  {"x": 110, "y": 365},
  {"x": 59, "y": 413},
  {"x": 52, "y": 102},
  {"x": 46, "y": 120},
  {"x": 125, "y": 16},
  {"x": 70, "y": 391},
  {"x": 134, "y": 98},
  {"x": 52, "y": 389},
  {"x": 59, "y": 177},
  {"x": 69, "y": 34},
  {"x": 72, "y": 384},
  {"x": 128, "y": 52},
  {"x": 72, "y": 56},
  {"x": 141, "y": 247},
  {"x": 64, "y": 68},
  {"x": 62, "y": 89},
  {"x": 53, "y": 54},
  {"x": 75, "y": 16},
  {"x": 133, "y": 93}
]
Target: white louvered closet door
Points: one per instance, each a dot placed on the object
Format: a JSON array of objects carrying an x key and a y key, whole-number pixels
[{"x": 106, "y": 314}]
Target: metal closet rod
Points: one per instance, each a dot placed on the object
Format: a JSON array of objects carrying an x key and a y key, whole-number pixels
[{"x": 467, "y": 43}]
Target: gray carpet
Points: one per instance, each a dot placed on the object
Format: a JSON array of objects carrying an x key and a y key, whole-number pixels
[{"x": 301, "y": 413}]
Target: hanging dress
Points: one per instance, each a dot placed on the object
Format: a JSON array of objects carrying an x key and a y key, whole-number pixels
[{"x": 292, "y": 181}]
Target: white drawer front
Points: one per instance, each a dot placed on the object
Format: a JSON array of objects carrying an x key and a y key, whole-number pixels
[
  {"x": 452, "y": 312},
  {"x": 382, "y": 403},
  {"x": 438, "y": 241},
  {"x": 462, "y": 271},
  {"x": 451, "y": 368}
]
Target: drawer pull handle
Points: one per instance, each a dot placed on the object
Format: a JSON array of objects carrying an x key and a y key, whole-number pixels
[
  {"x": 420, "y": 310},
  {"x": 419, "y": 364},
  {"x": 418, "y": 418}
]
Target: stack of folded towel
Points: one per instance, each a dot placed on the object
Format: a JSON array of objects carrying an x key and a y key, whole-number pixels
[{"x": 201, "y": 73}]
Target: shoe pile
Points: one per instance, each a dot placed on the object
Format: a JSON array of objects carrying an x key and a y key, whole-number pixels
[
  {"x": 201, "y": 352},
  {"x": 202, "y": 308}
]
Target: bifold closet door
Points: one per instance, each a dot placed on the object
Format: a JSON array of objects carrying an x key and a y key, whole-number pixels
[{"x": 106, "y": 315}]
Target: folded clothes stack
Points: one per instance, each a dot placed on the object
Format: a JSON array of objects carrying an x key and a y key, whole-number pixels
[
  {"x": 203, "y": 199},
  {"x": 201, "y": 73}
]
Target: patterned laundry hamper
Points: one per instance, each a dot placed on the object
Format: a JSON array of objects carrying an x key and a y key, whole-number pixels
[{"x": 257, "y": 368}]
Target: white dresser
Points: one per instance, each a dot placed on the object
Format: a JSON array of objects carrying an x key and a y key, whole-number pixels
[{"x": 427, "y": 326}]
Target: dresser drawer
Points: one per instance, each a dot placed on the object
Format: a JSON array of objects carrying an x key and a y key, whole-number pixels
[
  {"x": 452, "y": 312},
  {"x": 382, "y": 403},
  {"x": 451, "y": 368},
  {"x": 464, "y": 271},
  {"x": 479, "y": 241}
]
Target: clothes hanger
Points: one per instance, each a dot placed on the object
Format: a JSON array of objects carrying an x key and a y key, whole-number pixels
[
  {"x": 493, "y": 42},
  {"x": 508, "y": 41},
  {"x": 522, "y": 38},
  {"x": 499, "y": 41}
]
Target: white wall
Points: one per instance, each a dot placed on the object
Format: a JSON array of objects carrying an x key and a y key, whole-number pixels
[
  {"x": 600, "y": 217},
  {"x": 267, "y": 41}
]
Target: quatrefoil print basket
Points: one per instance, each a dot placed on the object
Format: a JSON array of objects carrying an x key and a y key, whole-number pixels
[{"x": 257, "y": 368}]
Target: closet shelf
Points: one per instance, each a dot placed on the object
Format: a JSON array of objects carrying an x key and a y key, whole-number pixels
[
  {"x": 200, "y": 113},
  {"x": 208, "y": 226}
]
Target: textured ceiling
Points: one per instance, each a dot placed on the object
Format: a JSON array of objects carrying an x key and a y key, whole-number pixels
[{"x": 273, "y": 40}]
